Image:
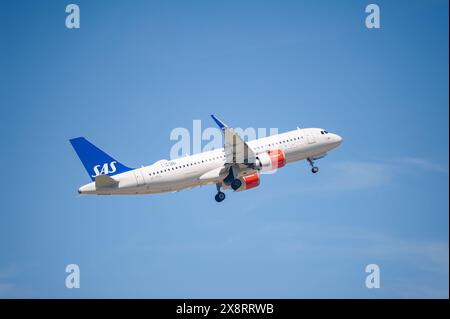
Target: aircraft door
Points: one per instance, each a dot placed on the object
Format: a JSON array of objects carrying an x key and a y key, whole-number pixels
[
  {"x": 310, "y": 138},
  {"x": 139, "y": 178}
]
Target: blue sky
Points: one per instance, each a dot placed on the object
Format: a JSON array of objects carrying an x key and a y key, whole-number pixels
[{"x": 135, "y": 70}]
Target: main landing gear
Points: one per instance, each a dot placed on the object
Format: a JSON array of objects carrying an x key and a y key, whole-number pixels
[
  {"x": 314, "y": 169},
  {"x": 235, "y": 184},
  {"x": 220, "y": 196}
]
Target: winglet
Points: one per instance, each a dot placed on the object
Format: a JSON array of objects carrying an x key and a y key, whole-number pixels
[{"x": 221, "y": 124}]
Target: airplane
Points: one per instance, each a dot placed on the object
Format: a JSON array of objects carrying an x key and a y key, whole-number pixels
[{"x": 237, "y": 165}]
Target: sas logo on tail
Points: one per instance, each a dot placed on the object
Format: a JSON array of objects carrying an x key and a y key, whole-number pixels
[{"x": 106, "y": 169}]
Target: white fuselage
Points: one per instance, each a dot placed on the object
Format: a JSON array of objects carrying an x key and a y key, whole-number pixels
[{"x": 203, "y": 168}]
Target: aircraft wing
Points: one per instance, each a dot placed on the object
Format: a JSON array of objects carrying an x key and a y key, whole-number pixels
[{"x": 237, "y": 151}]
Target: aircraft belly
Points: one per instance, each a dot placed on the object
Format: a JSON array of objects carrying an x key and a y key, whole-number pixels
[
  {"x": 174, "y": 183},
  {"x": 293, "y": 155}
]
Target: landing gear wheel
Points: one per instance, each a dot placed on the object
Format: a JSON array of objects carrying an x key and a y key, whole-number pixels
[
  {"x": 235, "y": 184},
  {"x": 220, "y": 196},
  {"x": 314, "y": 169}
]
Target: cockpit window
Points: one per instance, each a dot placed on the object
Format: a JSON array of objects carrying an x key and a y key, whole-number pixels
[{"x": 326, "y": 132}]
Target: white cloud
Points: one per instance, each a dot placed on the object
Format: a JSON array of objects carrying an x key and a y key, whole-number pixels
[
  {"x": 428, "y": 258},
  {"x": 7, "y": 288},
  {"x": 423, "y": 164},
  {"x": 8, "y": 271},
  {"x": 354, "y": 175},
  {"x": 346, "y": 176}
]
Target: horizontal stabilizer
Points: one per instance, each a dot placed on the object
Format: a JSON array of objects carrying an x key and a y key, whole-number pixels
[{"x": 102, "y": 181}]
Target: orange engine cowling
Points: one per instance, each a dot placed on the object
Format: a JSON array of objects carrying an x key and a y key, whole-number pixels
[
  {"x": 249, "y": 181},
  {"x": 278, "y": 158},
  {"x": 270, "y": 160}
]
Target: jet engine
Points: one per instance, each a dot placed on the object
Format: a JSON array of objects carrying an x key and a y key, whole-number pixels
[
  {"x": 270, "y": 160},
  {"x": 249, "y": 181}
]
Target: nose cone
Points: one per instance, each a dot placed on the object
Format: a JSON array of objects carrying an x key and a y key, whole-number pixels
[{"x": 336, "y": 140}]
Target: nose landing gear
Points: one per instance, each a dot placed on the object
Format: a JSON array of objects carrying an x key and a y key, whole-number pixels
[
  {"x": 314, "y": 169},
  {"x": 220, "y": 196}
]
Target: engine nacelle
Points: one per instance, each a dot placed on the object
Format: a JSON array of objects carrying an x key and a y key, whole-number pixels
[
  {"x": 249, "y": 181},
  {"x": 270, "y": 160}
]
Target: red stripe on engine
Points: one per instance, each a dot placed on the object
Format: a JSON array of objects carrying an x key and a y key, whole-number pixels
[
  {"x": 251, "y": 180},
  {"x": 278, "y": 159}
]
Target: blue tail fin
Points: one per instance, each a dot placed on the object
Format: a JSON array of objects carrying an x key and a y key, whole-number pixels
[{"x": 95, "y": 161}]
